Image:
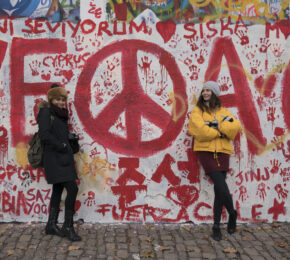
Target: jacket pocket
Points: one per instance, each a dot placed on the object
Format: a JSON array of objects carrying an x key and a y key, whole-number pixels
[
  {"x": 226, "y": 145},
  {"x": 198, "y": 145},
  {"x": 63, "y": 159}
]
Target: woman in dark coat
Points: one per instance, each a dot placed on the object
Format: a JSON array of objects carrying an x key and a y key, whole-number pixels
[{"x": 58, "y": 160}]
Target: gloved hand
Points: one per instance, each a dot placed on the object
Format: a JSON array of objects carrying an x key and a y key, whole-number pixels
[
  {"x": 222, "y": 135},
  {"x": 214, "y": 124},
  {"x": 62, "y": 148}
]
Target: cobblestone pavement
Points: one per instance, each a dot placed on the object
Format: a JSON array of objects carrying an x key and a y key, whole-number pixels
[{"x": 146, "y": 241}]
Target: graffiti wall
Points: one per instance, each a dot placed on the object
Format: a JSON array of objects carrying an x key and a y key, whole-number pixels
[{"x": 132, "y": 84}]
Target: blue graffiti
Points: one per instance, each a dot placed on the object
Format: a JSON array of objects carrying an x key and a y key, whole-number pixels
[
  {"x": 184, "y": 4},
  {"x": 44, "y": 2},
  {"x": 19, "y": 7}
]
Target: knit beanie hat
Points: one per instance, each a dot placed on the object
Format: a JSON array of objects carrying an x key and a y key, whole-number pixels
[
  {"x": 213, "y": 86},
  {"x": 55, "y": 92}
]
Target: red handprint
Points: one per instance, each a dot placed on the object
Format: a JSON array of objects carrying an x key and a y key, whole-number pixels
[
  {"x": 145, "y": 63},
  {"x": 249, "y": 52},
  {"x": 99, "y": 96},
  {"x": 78, "y": 42},
  {"x": 261, "y": 191},
  {"x": 174, "y": 40},
  {"x": 275, "y": 166},
  {"x": 254, "y": 66},
  {"x": 3, "y": 106},
  {"x": 35, "y": 111},
  {"x": 151, "y": 77},
  {"x": 243, "y": 37},
  {"x": 277, "y": 50},
  {"x": 284, "y": 172},
  {"x": 111, "y": 65},
  {"x": 224, "y": 83},
  {"x": 271, "y": 114},
  {"x": 96, "y": 41},
  {"x": 187, "y": 61},
  {"x": 264, "y": 45},
  {"x": 243, "y": 193},
  {"x": 107, "y": 77},
  {"x": 1, "y": 89},
  {"x": 192, "y": 43},
  {"x": 261, "y": 102},
  {"x": 119, "y": 125},
  {"x": 194, "y": 72},
  {"x": 204, "y": 42},
  {"x": 201, "y": 59},
  {"x": 280, "y": 65},
  {"x": 160, "y": 89},
  {"x": 283, "y": 193},
  {"x": 90, "y": 200},
  {"x": 34, "y": 66},
  {"x": 287, "y": 156},
  {"x": 279, "y": 143}
]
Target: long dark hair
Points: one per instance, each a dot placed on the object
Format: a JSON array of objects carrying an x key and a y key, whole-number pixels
[{"x": 214, "y": 103}]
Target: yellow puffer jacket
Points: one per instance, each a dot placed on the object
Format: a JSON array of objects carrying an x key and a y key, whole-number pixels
[{"x": 207, "y": 138}]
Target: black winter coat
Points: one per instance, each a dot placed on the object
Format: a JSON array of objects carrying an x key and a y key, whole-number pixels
[{"x": 58, "y": 162}]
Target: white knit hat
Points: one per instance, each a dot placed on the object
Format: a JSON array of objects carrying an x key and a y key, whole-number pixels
[{"x": 213, "y": 86}]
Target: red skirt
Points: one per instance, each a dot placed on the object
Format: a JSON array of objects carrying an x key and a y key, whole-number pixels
[{"x": 214, "y": 162}]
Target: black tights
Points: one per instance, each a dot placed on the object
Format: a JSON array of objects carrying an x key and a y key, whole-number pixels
[
  {"x": 72, "y": 191},
  {"x": 222, "y": 195}
]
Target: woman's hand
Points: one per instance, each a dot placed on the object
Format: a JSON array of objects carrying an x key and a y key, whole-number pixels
[{"x": 62, "y": 148}]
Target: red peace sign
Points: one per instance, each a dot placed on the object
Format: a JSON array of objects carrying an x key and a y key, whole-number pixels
[{"x": 132, "y": 100}]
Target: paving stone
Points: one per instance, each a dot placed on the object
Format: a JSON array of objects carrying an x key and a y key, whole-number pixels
[
  {"x": 190, "y": 242},
  {"x": 128, "y": 241},
  {"x": 180, "y": 247},
  {"x": 209, "y": 255},
  {"x": 170, "y": 256},
  {"x": 121, "y": 239},
  {"x": 245, "y": 257},
  {"x": 60, "y": 257},
  {"x": 251, "y": 251},
  {"x": 123, "y": 254},
  {"x": 168, "y": 243},
  {"x": 76, "y": 253},
  {"x": 134, "y": 249},
  {"x": 194, "y": 254}
]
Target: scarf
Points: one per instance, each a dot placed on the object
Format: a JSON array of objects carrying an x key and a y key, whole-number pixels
[{"x": 60, "y": 112}]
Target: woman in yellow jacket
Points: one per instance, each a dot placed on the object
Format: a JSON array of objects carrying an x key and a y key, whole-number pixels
[{"x": 213, "y": 128}]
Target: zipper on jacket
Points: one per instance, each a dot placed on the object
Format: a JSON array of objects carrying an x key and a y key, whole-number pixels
[{"x": 215, "y": 155}]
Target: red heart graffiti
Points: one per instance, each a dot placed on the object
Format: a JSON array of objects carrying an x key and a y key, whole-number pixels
[
  {"x": 67, "y": 74},
  {"x": 166, "y": 29},
  {"x": 186, "y": 195},
  {"x": 45, "y": 77},
  {"x": 265, "y": 86}
]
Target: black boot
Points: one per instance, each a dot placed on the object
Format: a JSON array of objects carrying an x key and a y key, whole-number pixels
[
  {"x": 51, "y": 226},
  {"x": 68, "y": 228},
  {"x": 216, "y": 232},
  {"x": 232, "y": 222}
]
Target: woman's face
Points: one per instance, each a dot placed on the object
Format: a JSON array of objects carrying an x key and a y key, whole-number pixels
[
  {"x": 206, "y": 94},
  {"x": 59, "y": 102}
]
